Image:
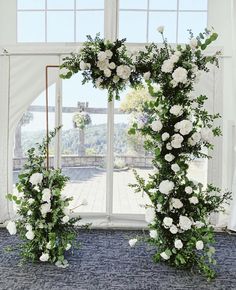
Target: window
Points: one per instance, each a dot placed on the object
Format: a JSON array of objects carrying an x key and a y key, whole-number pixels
[
  {"x": 59, "y": 20},
  {"x": 138, "y": 20}
]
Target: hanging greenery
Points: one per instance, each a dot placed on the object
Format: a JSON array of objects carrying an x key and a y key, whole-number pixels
[
  {"x": 108, "y": 65},
  {"x": 44, "y": 223},
  {"x": 176, "y": 127}
]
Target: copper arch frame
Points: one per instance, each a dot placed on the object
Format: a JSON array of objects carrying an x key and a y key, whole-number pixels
[{"x": 46, "y": 103}]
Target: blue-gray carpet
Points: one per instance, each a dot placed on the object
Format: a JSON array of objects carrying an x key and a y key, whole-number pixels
[{"x": 105, "y": 261}]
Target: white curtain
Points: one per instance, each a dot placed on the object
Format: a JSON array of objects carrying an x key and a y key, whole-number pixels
[{"x": 22, "y": 79}]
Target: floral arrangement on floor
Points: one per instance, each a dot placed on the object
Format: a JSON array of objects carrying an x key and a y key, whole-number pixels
[
  {"x": 81, "y": 120},
  {"x": 109, "y": 65},
  {"x": 176, "y": 127},
  {"x": 43, "y": 221}
]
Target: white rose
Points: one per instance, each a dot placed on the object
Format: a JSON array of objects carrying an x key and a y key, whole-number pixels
[
  {"x": 44, "y": 257},
  {"x": 156, "y": 88},
  {"x": 37, "y": 188},
  {"x": 108, "y": 53},
  {"x": 185, "y": 223},
  {"x": 30, "y": 200},
  {"x": 98, "y": 82},
  {"x": 176, "y": 110},
  {"x": 176, "y": 203},
  {"x": 29, "y": 212},
  {"x": 175, "y": 167},
  {"x": 160, "y": 28},
  {"x": 156, "y": 125},
  {"x": 150, "y": 215},
  {"x": 30, "y": 235},
  {"x": 107, "y": 72},
  {"x": 173, "y": 83},
  {"x": 184, "y": 126},
  {"x": 188, "y": 189},
  {"x": 178, "y": 53},
  {"x": 68, "y": 246},
  {"x": 45, "y": 208},
  {"x": 193, "y": 43},
  {"x": 166, "y": 186},
  {"x": 167, "y": 221},
  {"x": 123, "y": 71},
  {"x": 102, "y": 55},
  {"x": 199, "y": 224},
  {"x": 153, "y": 234},
  {"x": 112, "y": 65},
  {"x": 165, "y": 256},
  {"x": 167, "y": 66},
  {"x": 168, "y": 147},
  {"x": 165, "y": 136},
  {"x": 174, "y": 58},
  {"x": 178, "y": 244},
  {"x": 36, "y": 178},
  {"x": 194, "y": 139},
  {"x": 102, "y": 65},
  {"x": 173, "y": 229},
  {"x": 169, "y": 157},
  {"x": 176, "y": 141},
  {"x": 28, "y": 227},
  {"x": 46, "y": 195},
  {"x": 132, "y": 242},
  {"x": 199, "y": 245},
  {"x": 207, "y": 135},
  {"x": 65, "y": 219},
  {"x": 193, "y": 200},
  {"x": 82, "y": 65},
  {"x": 11, "y": 227},
  {"x": 147, "y": 75},
  {"x": 115, "y": 79},
  {"x": 180, "y": 75}
]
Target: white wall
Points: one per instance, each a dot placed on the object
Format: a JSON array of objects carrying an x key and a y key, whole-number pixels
[{"x": 7, "y": 22}]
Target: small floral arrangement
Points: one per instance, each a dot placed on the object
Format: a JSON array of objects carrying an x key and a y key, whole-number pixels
[
  {"x": 44, "y": 222},
  {"x": 81, "y": 120},
  {"x": 177, "y": 127},
  {"x": 107, "y": 64}
]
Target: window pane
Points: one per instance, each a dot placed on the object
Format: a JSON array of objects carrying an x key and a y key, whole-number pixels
[
  {"x": 193, "y": 4},
  {"x": 84, "y": 148},
  {"x": 165, "y": 5},
  {"x": 86, "y": 24},
  {"x": 168, "y": 19},
  {"x": 89, "y": 4},
  {"x": 197, "y": 21},
  {"x": 131, "y": 4},
  {"x": 129, "y": 153},
  {"x": 60, "y": 4},
  {"x": 31, "y": 26},
  {"x": 31, "y": 4},
  {"x": 133, "y": 26},
  {"x": 60, "y": 26}
]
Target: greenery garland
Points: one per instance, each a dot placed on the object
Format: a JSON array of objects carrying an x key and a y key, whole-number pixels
[
  {"x": 44, "y": 223},
  {"x": 109, "y": 65},
  {"x": 176, "y": 128}
]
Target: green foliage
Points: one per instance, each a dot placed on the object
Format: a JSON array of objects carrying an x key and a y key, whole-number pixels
[
  {"x": 176, "y": 128},
  {"x": 44, "y": 224},
  {"x": 108, "y": 65}
]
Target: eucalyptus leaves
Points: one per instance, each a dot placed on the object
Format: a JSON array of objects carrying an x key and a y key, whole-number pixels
[
  {"x": 177, "y": 127},
  {"x": 44, "y": 222},
  {"x": 109, "y": 65}
]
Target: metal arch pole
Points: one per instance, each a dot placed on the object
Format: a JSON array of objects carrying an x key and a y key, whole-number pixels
[{"x": 47, "y": 119}]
